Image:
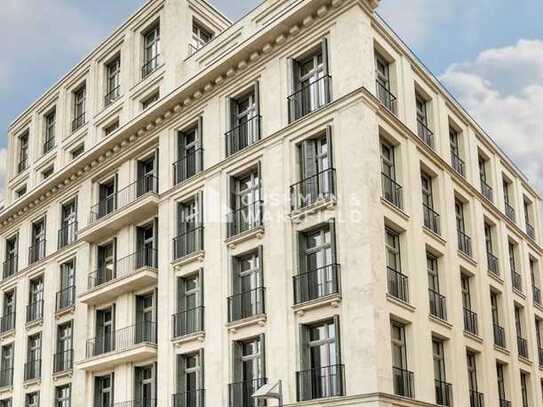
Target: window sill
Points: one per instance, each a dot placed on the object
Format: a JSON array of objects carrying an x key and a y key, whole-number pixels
[
  {"x": 257, "y": 232},
  {"x": 524, "y": 360},
  {"x": 7, "y": 335},
  {"x": 31, "y": 382},
  {"x": 259, "y": 320},
  {"x": 440, "y": 321},
  {"x": 331, "y": 301},
  {"x": 467, "y": 258},
  {"x": 298, "y": 215},
  {"x": 33, "y": 324},
  {"x": 197, "y": 256},
  {"x": 519, "y": 293},
  {"x": 400, "y": 303},
  {"x": 504, "y": 351},
  {"x": 192, "y": 337},
  {"x": 68, "y": 310},
  {"x": 395, "y": 209},
  {"x": 434, "y": 235},
  {"x": 472, "y": 336},
  {"x": 495, "y": 277},
  {"x": 62, "y": 374}
]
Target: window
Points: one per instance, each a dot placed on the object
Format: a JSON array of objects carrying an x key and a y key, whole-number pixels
[
  {"x": 249, "y": 371},
  {"x": 443, "y": 389},
  {"x": 522, "y": 343},
  {"x": 11, "y": 261},
  {"x": 423, "y": 129},
  {"x": 247, "y": 298},
  {"x": 110, "y": 128},
  {"x": 507, "y": 199},
  {"x": 403, "y": 380},
  {"x": 6, "y": 402},
  {"x": 524, "y": 383},
  {"x": 105, "y": 329},
  {"x": 8, "y": 313},
  {"x": 456, "y": 160},
  {"x": 79, "y": 101},
  {"x": 244, "y": 120},
  {"x": 63, "y": 396},
  {"x": 190, "y": 305},
  {"x": 382, "y": 75},
  {"x": 499, "y": 331},
  {"x": 397, "y": 282},
  {"x": 145, "y": 384},
  {"x": 34, "y": 310},
  {"x": 200, "y": 37},
  {"x": 33, "y": 358},
  {"x": 392, "y": 191},
  {"x": 246, "y": 205},
  {"x": 431, "y": 217},
  {"x": 49, "y": 139},
  {"x": 189, "y": 153},
  {"x": 147, "y": 174},
  {"x": 476, "y": 398},
  {"x": 492, "y": 260},
  {"x": 76, "y": 152},
  {"x": 528, "y": 216},
  {"x": 107, "y": 198},
  {"x": 66, "y": 294},
  {"x": 37, "y": 247},
  {"x": 147, "y": 245},
  {"x": 535, "y": 277},
  {"x": 486, "y": 189},
  {"x": 63, "y": 359},
  {"x": 516, "y": 277},
  {"x": 437, "y": 301},
  {"x": 311, "y": 82},
  {"x": 6, "y": 365},
  {"x": 106, "y": 263},
  {"x": 190, "y": 227},
  {"x": 19, "y": 193},
  {"x": 470, "y": 317},
  {"x": 113, "y": 79},
  {"x": 149, "y": 101},
  {"x": 464, "y": 241},
  {"x": 47, "y": 172},
  {"x": 23, "y": 152},
  {"x": 67, "y": 233},
  {"x": 190, "y": 380},
  {"x": 151, "y": 50},
  {"x": 501, "y": 385},
  {"x": 32, "y": 399},
  {"x": 103, "y": 390},
  {"x": 322, "y": 372}
]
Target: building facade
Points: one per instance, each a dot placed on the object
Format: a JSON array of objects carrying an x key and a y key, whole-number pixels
[{"x": 202, "y": 207}]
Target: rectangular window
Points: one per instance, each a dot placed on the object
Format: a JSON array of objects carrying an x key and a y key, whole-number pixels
[
  {"x": 501, "y": 384},
  {"x": 443, "y": 389},
  {"x": 456, "y": 160},
  {"x": 200, "y": 37},
  {"x": 76, "y": 152},
  {"x": 79, "y": 101},
  {"x": 249, "y": 371},
  {"x": 34, "y": 309},
  {"x": 37, "y": 248},
  {"x": 190, "y": 380},
  {"x": 21, "y": 192},
  {"x": 32, "y": 399},
  {"x": 431, "y": 217},
  {"x": 190, "y": 227},
  {"x": 103, "y": 390},
  {"x": 151, "y": 50},
  {"x": 516, "y": 277},
  {"x": 397, "y": 281},
  {"x": 382, "y": 75},
  {"x": 11, "y": 261},
  {"x": 507, "y": 198},
  {"x": 23, "y": 152},
  {"x": 49, "y": 139},
  {"x": 423, "y": 129},
  {"x": 189, "y": 153},
  {"x": 6, "y": 365},
  {"x": 6, "y": 402},
  {"x": 403, "y": 379},
  {"x": 244, "y": 120},
  {"x": 63, "y": 359},
  {"x": 33, "y": 358},
  {"x": 105, "y": 330},
  {"x": 392, "y": 191},
  {"x": 67, "y": 233},
  {"x": 145, "y": 384},
  {"x": 246, "y": 205},
  {"x": 486, "y": 189},
  {"x": 107, "y": 198},
  {"x": 106, "y": 259},
  {"x": 190, "y": 305},
  {"x": 47, "y": 172},
  {"x": 528, "y": 216},
  {"x": 111, "y": 128},
  {"x": 66, "y": 295},
  {"x": 470, "y": 317},
  {"x": 247, "y": 298},
  {"x": 464, "y": 241},
  {"x": 63, "y": 396},
  {"x": 8, "y": 312},
  {"x": 437, "y": 300},
  {"x": 149, "y": 101},
  {"x": 524, "y": 384},
  {"x": 113, "y": 81}
]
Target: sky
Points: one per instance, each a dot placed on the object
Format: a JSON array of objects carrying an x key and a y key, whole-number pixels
[{"x": 488, "y": 53}]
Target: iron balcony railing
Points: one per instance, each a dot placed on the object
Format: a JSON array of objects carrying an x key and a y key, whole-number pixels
[
  {"x": 122, "y": 339},
  {"x": 189, "y": 242},
  {"x": 32, "y": 369},
  {"x": 67, "y": 234},
  {"x": 309, "y": 98},
  {"x": 243, "y": 135},
  {"x": 21, "y": 166},
  {"x": 476, "y": 399},
  {"x": 246, "y": 304},
  {"x": 403, "y": 382},
  {"x": 470, "y": 322},
  {"x": 438, "y": 306},
  {"x": 7, "y": 323},
  {"x": 536, "y": 291},
  {"x": 386, "y": 97},
  {"x": 397, "y": 284},
  {"x": 516, "y": 279},
  {"x": 188, "y": 166},
  {"x": 48, "y": 145},
  {"x": 34, "y": 311},
  {"x": 431, "y": 219},
  {"x": 505, "y": 403},
  {"x": 392, "y": 191},
  {"x": 124, "y": 197},
  {"x": 510, "y": 212},
  {"x": 240, "y": 394},
  {"x": 144, "y": 402},
  {"x": 150, "y": 66},
  {"x": 530, "y": 231},
  {"x": 487, "y": 191},
  {"x": 458, "y": 164},
  {"x": 188, "y": 322},
  {"x": 10, "y": 266},
  {"x": 36, "y": 252},
  {"x": 443, "y": 393},
  {"x": 127, "y": 266},
  {"x": 426, "y": 135},
  {"x": 522, "y": 347},
  {"x": 192, "y": 398},
  {"x": 65, "y": 298},
  {"x": 246, "y": 218},
  {"x": 63, "y": 361},
  {"x": 112, "y": 95},
  {"x": 317, "y": 283},
  {"x": 6, "y": 377},
  {"x": 499, "y": 336},
  {"x": 493, "y": 264},
  {"x": 78, "y": 122},
  {"x": 320, "y": 382},
  {"x": 464, "y": 243},
  {"x": 308, "y": 191}
]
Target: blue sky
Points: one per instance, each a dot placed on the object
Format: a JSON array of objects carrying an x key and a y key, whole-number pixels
[{"x": 488, "y": 52}]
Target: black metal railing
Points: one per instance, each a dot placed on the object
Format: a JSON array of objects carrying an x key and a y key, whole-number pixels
[
  {"x": 32, "y": 369},
  {"x": 505, "y": 403},
  {"x": 470, "y": 322},
  {"x": 510, "y": 212},
  {"x": 487, "y": 191},
  {"x": 240, "y": 393},
  {"x": 124, "y": 197},
  {"x": 522, "y": 347},
  {"x": 540, "y": 356},
  {"x": 150, "y": 66},
  {"x": 63, "y": 361},
  {"x": 426, "y": 135},
  {"x": 386, "y": 97},
  {"x": 309, "y": 98},
  {"x": 317, "y": 283},
  {"x": 144, "y": 402},
  {"x": 188, "y": 166},
  {"x": 392, "y": 191},
  {"x": 493, "y": 264},
  {"x": 443, "y": 393},
  {"x": 48, "y": 145},
  {"x": 188, "y": 322},
  {"x": 516, "y": 280},
  {"x": 431, "y": 219},
  {"x": 21, "y": 166},
  {"x": 308, "y": 191},
  {"x": 458, "y": 164},
  {"x": 67, "y": 234},
  {"x": 10, "y": 266},
  {"x": 320, "y": 382},
  {"x": 530, "y": 231},
  {"x": 193, "y": 398},
  {"x": 536, "y": 293},
  {"x": 464, "y": 243},
  {"x": 438, "y": 306},
  {"x": 6, "y": 377},
  {"x": 246, "y": 218},
  {"x": 7, "y": 323},
  {"x": 122, "y": 339},
  {"x": 499, "y": 336},
  {"x": 78, "y": 122},
  {"x": 243, "y": 135},
  {"x": 189, "y": 242},
  {"x": 246, "y": 304},
  {"x": 476, "y": 399},
  {"x": 34, "y": 311},
  {"x": 398, "y": 285},
  {"x": 112, "y": 95},
  {"x": 403, "y": 382},
  {"x": 36, "y": 252},
  {"x": 65, "y": 298}
]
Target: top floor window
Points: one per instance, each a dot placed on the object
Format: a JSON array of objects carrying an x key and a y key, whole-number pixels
[
  {"x": 151, "y": 50},
  {"x": 79, "y": 102},
  {"x": 49, "y": 139},
  {"x": 486, "y": 189},
  {"x": 382, "y": 76},
  {"x": 423, "y": 129},
  {"x": 244, "y": 120},
  {"x": 23, "y": 152},
  {"x": 392, "y": 191},
  {"x": 507, "y": 198},
  {"x": 200, "y": 37},
  {"x": 113, "y": 86}
]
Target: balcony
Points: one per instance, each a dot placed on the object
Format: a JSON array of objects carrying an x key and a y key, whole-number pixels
[
  {"x": 309, "y": 98},
  {"x": 243, "y": 135},
  {"x": 150, "y": 66},
  {"x": 505, "y": 403},
  {"x": 240, "y": 393},
  {"x": 6, "y": 377},
  {"x": 36, "y": 252},
  {"x": 458, "y": 165},
  {"x": 315, "y": 284},
  {"x": 65, "y": 299},
  {"x": 464, "y": 243},
  {"x": 392, "y": 191},
  {"x": 139, "y": 200},
  {"x": 476, "y": 399},
  {"x": 32, "y": 370},
  {"x": 188, "y": 166},
  {"x": 320, "y": 382},
  {"x": 133, "y": 344},
  {"x": 530, "y": 231},
  {"x": 193, "y": 398},
  {"x": 443, "y": 393},
  {"x": 131, "y": 273},
  {"x": 63, "y": 361},
  {"x": 431, "y": 219},
  {"x": 48, "y": 145},
  {"x": 246, "y": 218},
  {"x": 470, "y": 322},
  {"x": 522, "y": 347},
  {"x": 516, "y": 280},
  {"x": 317, "y": 188},
  {"x": 67, "y": 234},
  {"x": 499, "y": 336},
  {"x": 7, "y": 323},
  {"x": 386, "y": 97},
  {"x": 10, "y": 267},
  {"x": 510, "y": 212},
  {"x": 487, "y": 192},
  {"x": 78, "y": 122},
  {"x": 34, "y": 312},
  {"x": 425, "y": 134},
  {"x": 246, "y": 304},
  {"x": 397, "y": 285},
  {"x": 403, "y": 382},
  {"x": 188, "y": 322},
  {"x": 438, "y": 304},
  {"x": 493, "y": 264},
  {"x": 112, "y": 96},
  {"x": 188, "y": 243}
]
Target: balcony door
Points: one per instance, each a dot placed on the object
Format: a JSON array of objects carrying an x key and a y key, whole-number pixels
[
  {"x": 9, "y": 308},
  {"x": 64, "y": 347},
  {"x": 105, "y": 330},
  {"x": 309, "y": 71},
  {"x": 190, "y": 380},
  {"x": 246, "y": 196},
  {"x": 146, "y": 246},
  {"x": 106, "y": 262},
  {"x": 245, "y": 126},
  {"x": 247, "y": 299},
  {"x": 103, "y": 390},
  {"x": 316, "y": 163},
  {"x": 107, "y": 196},
  {"x": 249, "y": 370},
  {"x": 145, "y": 386},
  {"x": 147, "y": 175},
  {"x": 68, "y": 221},
  {"x": 33, "y": 356},
  {"x": 188, "y": 159},
  {"x": 145, "y": 317},
  {"x": 67, "y": 275},
  {"x": 189, "y": 302}
]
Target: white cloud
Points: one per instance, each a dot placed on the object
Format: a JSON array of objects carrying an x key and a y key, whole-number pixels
[{"x": 503, "y": 89}]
